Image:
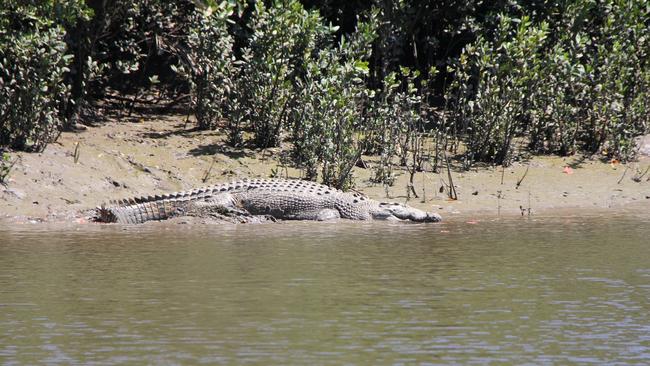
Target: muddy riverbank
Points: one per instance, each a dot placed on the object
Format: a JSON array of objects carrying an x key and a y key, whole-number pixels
[{"x": 161, "y": 154}]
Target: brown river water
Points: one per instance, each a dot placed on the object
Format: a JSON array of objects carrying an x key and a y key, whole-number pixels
[{"x": 543, "y": 290}]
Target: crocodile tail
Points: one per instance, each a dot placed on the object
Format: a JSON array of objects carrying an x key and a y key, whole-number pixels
[
  {"x": 137, "y": 213},
  {"x": 103, "y": 214}
]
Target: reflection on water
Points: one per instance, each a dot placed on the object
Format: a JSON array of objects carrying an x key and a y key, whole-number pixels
[{"x": 541, "y": 290}]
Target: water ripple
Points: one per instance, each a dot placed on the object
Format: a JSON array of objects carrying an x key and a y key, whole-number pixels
[{"x": 531, "y": 291}]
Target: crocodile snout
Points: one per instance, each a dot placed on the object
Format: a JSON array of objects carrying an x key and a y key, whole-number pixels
[{"x": 404, "y": 212}]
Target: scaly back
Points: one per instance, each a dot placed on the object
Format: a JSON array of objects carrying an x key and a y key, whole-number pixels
[{"x": 158, "y": 207}]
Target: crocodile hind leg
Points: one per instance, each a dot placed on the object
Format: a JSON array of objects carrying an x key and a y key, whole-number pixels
[{"x": 219, "y": 206}]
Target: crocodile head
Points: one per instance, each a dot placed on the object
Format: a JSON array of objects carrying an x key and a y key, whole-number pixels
[{"x": 388, "y": 211}]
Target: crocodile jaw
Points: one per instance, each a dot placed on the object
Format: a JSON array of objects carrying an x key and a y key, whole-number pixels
[{"x": 403, "y": 212}]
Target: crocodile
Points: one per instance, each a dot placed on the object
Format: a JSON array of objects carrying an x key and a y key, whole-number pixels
[{"x": 284, "y": 199}]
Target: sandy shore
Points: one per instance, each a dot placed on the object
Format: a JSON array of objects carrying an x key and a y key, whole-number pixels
[{"x": 163, "y": 154}]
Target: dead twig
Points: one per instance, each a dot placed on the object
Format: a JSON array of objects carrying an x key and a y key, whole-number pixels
[
  {"x": 77, "y": 151},
  {"x": 623, "y": 176},
  {"x": 638, "y": 177},
  {"x": 206, "y": 175},
  {"x": 522, "y": 178}
]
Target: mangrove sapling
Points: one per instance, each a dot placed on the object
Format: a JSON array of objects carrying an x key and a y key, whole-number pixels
[
  {"x": 6, "y": 164},
  {"x": 139, "y": 87},
  {"x": 417, "y": 155},
  {"x": 331, "y": 120},
  {"x": 416, "y": 132},
  {"x": 452, "y": 189},
  {"x": 416, "y": 159},
  {"x": 527, "y": 210},
  {"x": 424, "y": 191},
  {"x": 286, "y": 44},
  {"x": 209, "y": 68},
  {"x": 277, "y": 172},
  {"x": 499, "y": 197},
  {"x": 410, "y": 186}
]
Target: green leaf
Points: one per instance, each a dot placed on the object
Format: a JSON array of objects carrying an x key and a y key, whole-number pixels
[{"x": 362, "y": 66}]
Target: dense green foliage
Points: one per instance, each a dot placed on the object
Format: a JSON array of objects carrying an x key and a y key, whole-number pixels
[
  {"x": 580, "y": 84},
  {"x": 330, "y": 80},
  {"x": 33, "y": 64}
]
